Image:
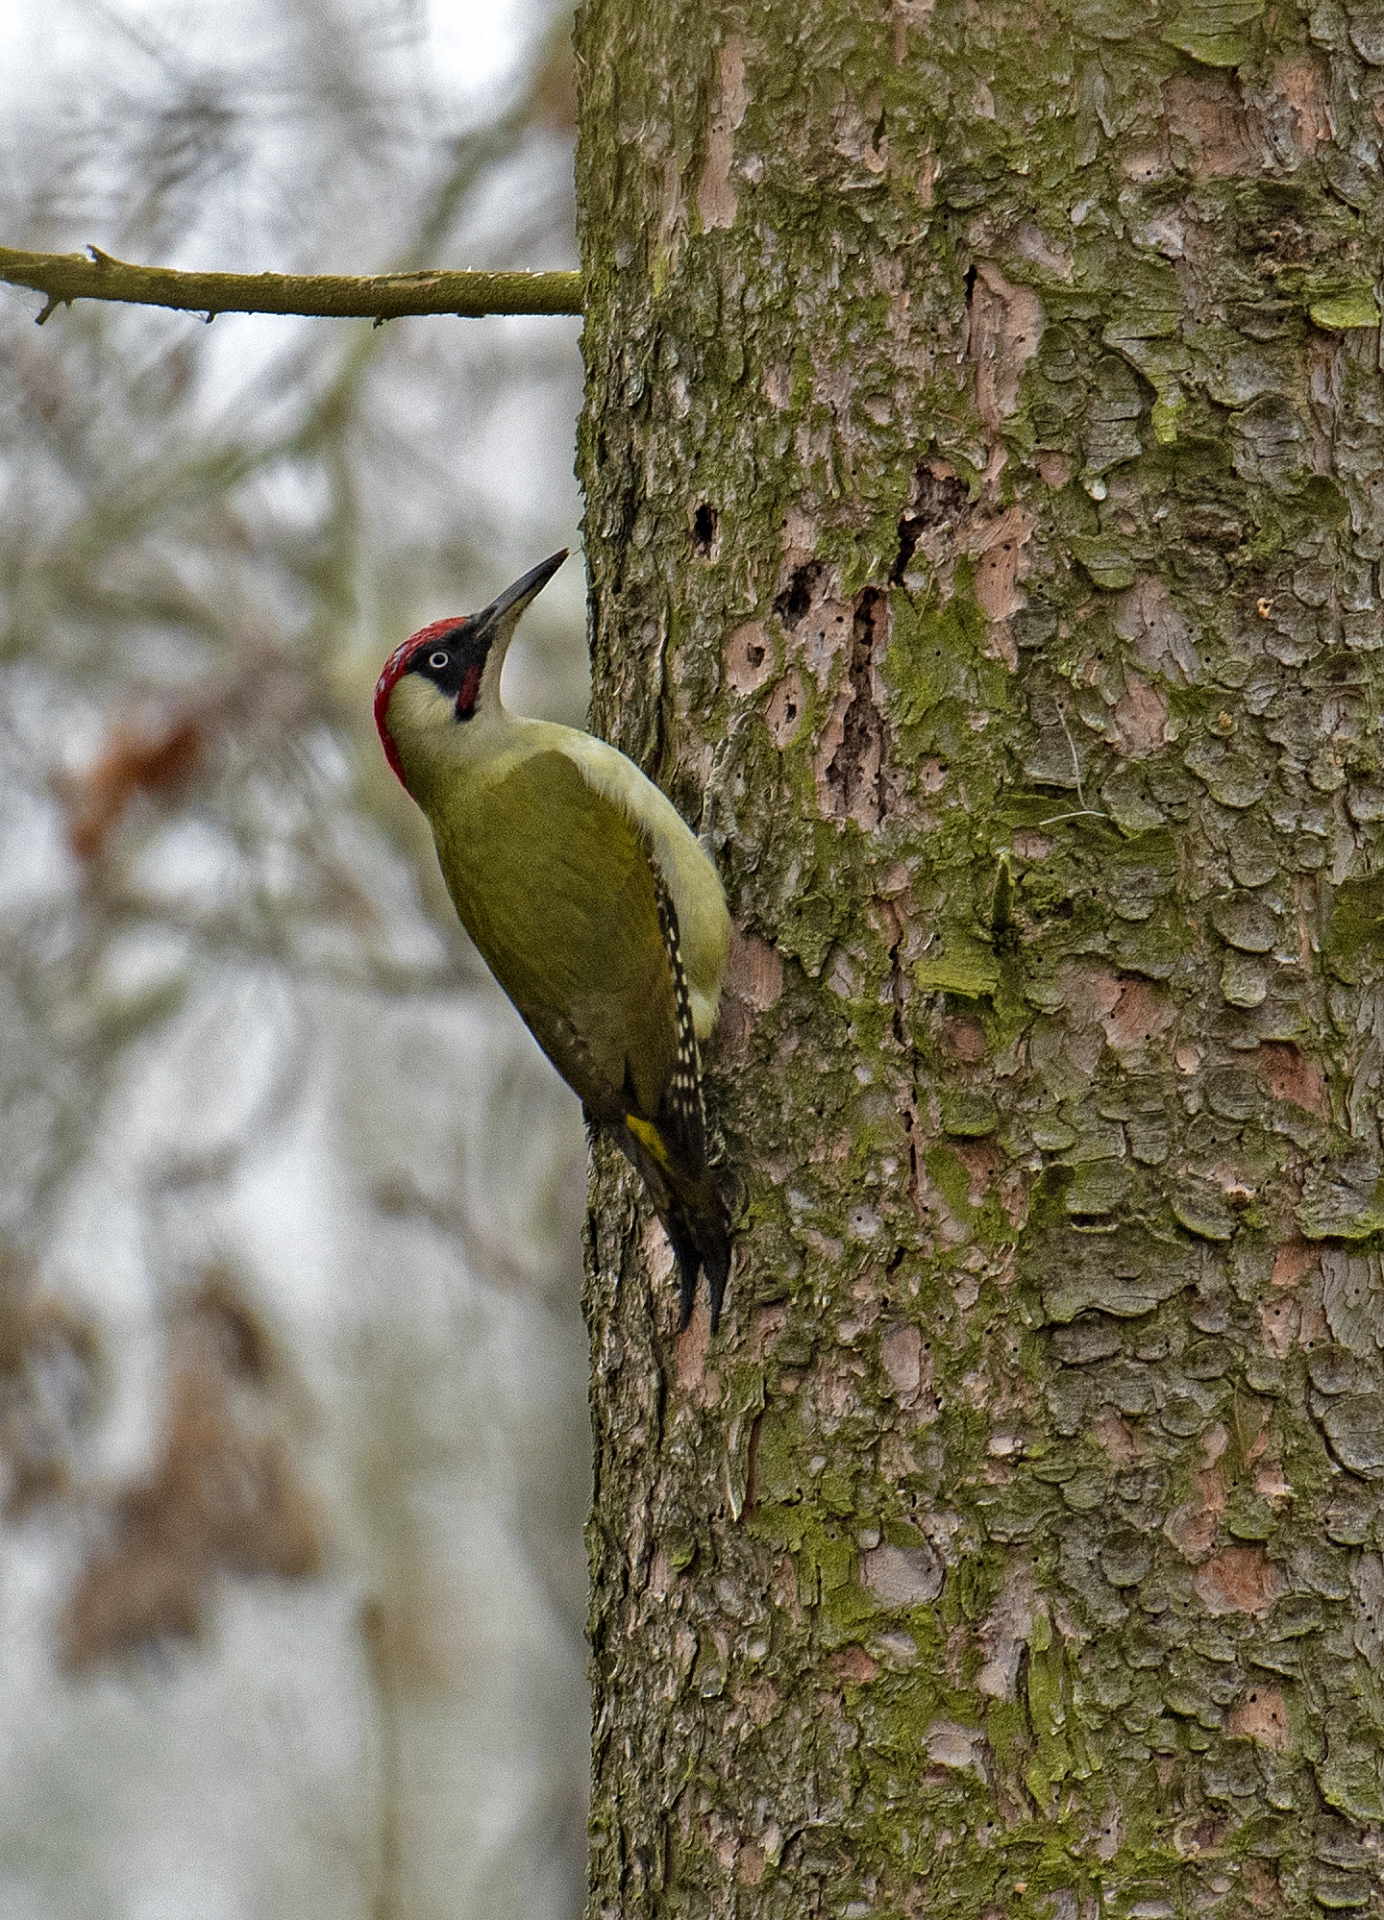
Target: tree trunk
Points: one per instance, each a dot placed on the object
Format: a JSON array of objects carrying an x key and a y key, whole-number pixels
[{"x": 982, "y": 446}]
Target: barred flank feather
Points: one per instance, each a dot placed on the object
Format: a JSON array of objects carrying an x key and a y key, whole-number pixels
[{"x": 670, "y": 1151}]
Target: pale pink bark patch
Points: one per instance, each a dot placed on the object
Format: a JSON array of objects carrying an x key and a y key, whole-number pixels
[
  {"x": 749, "y": 658},
  {"x": 1290, "y": 1075},
  {"x": 1141, "y": 718},
  {"x": 1238, "y": 1580},
  {"x": 717, "y": 200},
  {"x": 1263, "y": 1716}
]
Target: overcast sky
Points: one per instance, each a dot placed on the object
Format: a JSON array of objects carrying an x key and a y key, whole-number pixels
[{"x": 470, "y": 47}]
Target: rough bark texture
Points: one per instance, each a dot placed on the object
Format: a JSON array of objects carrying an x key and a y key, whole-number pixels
[{"x": 982, "y": 450}]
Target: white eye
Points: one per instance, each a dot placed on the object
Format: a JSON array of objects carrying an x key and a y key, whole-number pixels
[{"x": 438, "y": 660}]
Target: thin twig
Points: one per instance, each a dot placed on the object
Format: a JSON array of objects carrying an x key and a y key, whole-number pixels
[
  {"x": 66, "y": 277},
  {"x": 1083, "y": 812}
]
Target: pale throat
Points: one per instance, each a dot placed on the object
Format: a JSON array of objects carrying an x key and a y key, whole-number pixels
[{"x": 428, "y": 735}]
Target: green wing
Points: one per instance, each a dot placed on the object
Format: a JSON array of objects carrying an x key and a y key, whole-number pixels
[{"x": 556, "y": 888}]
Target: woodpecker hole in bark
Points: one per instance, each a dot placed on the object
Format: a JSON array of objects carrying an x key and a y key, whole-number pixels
[
  {"x": 796, "y": 597},
  {"x": 704, "y": 531},
  {"x": 939, "y": 500}
]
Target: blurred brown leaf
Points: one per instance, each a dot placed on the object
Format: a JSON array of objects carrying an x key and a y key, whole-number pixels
[
  {"x": 224, "y": 1497},
  {"x": 157, "y": 760}
]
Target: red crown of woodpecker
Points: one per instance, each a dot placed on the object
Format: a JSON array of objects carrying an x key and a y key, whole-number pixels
[{"x": 395, "y": 667}]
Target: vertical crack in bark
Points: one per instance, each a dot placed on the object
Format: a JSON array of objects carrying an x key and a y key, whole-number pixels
[
  {"x": 853, "y": 772},
  {"x": 752, "y": 1464},
  {"x": 903, "y": 1039},
  {"x": 915, "y": 1161}
]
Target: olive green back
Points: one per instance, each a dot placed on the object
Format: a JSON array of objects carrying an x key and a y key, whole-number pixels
[{"x": 555, "y": 887}]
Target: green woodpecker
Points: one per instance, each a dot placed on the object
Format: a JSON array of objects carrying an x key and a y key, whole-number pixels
[{"x": 591, "y": 902}]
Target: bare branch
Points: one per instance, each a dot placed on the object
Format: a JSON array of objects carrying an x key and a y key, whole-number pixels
[{"x": 66, "y": 277}]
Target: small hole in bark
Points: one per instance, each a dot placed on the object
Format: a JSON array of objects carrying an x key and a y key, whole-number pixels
[
  {"x": 704, "y": 531},
  {"x": 754, "y": 656}
]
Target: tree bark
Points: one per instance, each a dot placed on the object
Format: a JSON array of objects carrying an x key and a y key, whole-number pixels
[{"x": 982, "y": 452}]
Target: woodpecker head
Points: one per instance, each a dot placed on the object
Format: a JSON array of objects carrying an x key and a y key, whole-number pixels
[{"x": 447, "y": 674}]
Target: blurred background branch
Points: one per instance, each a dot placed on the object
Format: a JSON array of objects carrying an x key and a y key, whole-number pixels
[{"x": 292, "y": 1376}]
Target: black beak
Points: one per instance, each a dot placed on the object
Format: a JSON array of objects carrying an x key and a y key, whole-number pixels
[{"x": 511, "y": 603}]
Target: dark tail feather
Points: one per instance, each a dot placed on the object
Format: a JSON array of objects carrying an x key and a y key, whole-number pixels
[{"x": 695, "y": 1219}]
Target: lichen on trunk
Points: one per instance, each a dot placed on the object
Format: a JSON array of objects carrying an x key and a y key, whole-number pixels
[{"x": 982, "y": 452}]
